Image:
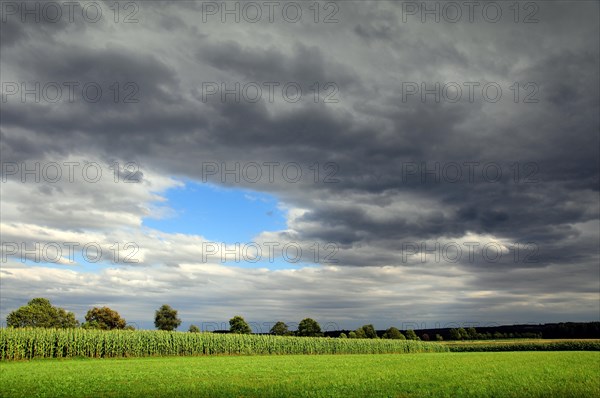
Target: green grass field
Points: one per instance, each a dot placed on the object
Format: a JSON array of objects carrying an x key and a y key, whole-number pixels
[{"x": 494, "y": 374}]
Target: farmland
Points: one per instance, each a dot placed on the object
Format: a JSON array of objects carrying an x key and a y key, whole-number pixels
[
  {"x": 524, "y": 345},
  {"x": 80, "y": 362},
  {"x": 503, "y": 374},
  {"x": 30, "y": 343}
]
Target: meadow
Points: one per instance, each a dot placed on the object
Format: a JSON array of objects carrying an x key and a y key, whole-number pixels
[{"x": 493, "y": 374}]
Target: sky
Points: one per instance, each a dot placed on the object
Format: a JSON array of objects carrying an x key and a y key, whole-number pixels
[{"x": 409, "y": 164}]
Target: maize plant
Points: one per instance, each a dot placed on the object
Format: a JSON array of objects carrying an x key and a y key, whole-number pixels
[{"x": 29, "y": 343}]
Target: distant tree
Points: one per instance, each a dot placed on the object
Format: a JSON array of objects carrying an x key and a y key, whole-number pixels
[
  {"x": 309, "y": 327},
  {"x": 280, "y": 329},
  {"x": 65, "y": 319},
  {"x": 472, "y": 333},
  {"x": 103, "y": 318},
  {"x": 425, "y": 337},
  {"x": 343, "y": 336},
  {"x": 129, "y": 327},
  {"x": 360, "y": 333},
  {"x": 455, "y": 334},
  {"x": 439, "y": 337},
  {"x": 393, "y": 333},
  {"x": 352, "y": 335},
  {"x": 40, "y": 313},
  {"x": 367, "y": 332},
  {"x": 238, "y": 325},
  {"x": 165, "y": 318},
  {"x": 194, "y": 329},
  {"x": 464, "y": 335},
  {"x": 411, "y": 335}
]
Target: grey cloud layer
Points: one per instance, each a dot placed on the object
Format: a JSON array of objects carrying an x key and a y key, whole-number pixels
[{"x": 371, "y": 133}]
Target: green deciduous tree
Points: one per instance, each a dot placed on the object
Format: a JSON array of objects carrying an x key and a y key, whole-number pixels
[
  {"x": 280, "y": 329},
  {"x": 352, "y": 335},
  {"x": 472, "y": 333},
  {"x": 366, "y": 332},
  {"x": 393, "y": 333},
  {"x": 343, "y": 336},
  {"x": 165, "y": 318},
  {"x": 464, "y": 335},
  {"x": 411, "y": 335},
  {"x": 40, "y": 313},
  {"x": 104, "y": 318},
  {"x": 194, "y": 329},
  {"x": 360, "y": 333},
  {"x": 309, "y": 327},
  {"x": 238, "y": 325}
]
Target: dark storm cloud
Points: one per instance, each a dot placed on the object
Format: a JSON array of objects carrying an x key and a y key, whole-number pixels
[
  {"x": 373, "y": 32},
  {"x": 150, "y": 120},
  {"x": 19, "y": 27},
  {"x": 166, "y": 117},
  {"x": 305, "y": 64},
  {"x": 12, "y": 33}
]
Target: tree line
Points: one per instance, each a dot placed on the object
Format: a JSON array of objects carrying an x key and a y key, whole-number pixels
[{"x": 39, "y": 312}]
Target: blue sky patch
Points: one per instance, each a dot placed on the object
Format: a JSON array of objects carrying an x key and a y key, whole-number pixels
[{"x": 219, "y": 214}]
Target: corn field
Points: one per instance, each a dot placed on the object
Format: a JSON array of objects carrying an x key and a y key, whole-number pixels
[
  {"x": 29, "y": 343},
  {"x": 539, "y": 345}
]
